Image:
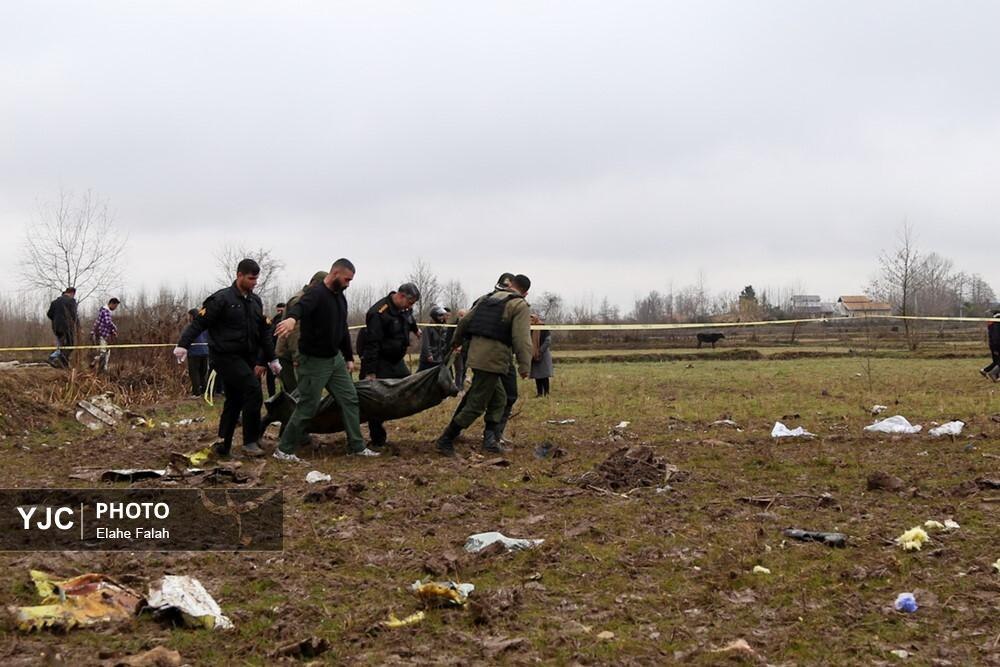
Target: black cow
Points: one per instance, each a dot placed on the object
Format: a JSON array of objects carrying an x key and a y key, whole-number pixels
[{"x": 712, "y": 338}]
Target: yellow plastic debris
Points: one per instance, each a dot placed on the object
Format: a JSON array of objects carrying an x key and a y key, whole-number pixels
[
  {"x": 88, "y": 599},
  {"x": 394, "y": 622},
  {"x": 913, "y": 539},
  {"x": 759, "y": 569},
  {"x": 200, "y": 457},
  {"x": 933, "y": 525},
  {"x": 442, "y": 592}
]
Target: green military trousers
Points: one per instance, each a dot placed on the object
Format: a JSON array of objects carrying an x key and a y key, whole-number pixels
[
  {"x": 486, "y": 396},
  {"x": 315, "y": 374}
]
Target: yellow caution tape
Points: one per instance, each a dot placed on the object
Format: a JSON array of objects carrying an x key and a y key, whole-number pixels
[{"x": 582, "y": 327}]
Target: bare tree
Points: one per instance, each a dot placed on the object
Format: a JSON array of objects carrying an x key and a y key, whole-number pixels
[
  {"x": 423, "y": 277},
  {"x": 650, "y": 309},
  {"x": 73, "y": 242},
  {"x": 270, "y": 267},
  {"x": 901, "y": 275},
  {"x": 608, "y": 313},
  {"x": 551, "y": 307},
  {"x": 454, "y": 296}
]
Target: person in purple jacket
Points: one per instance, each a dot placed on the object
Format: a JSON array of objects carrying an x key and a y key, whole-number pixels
[{"x": 102, "y": 333}]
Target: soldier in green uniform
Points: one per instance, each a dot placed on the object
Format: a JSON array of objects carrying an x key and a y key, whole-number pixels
[
  {"x": 384, "y": 341},
  {"x": 497, "y": 326}
]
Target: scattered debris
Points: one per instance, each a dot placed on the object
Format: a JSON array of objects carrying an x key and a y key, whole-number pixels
[
  {"x": 759, "y": 569},
  {"x": 742, "y": 648},
  {"x": 494, "y": 646},
  {"x": 950, "y": 524},
  {"x": 996, "y": 566},
  {"x": 900, "y": 653},
  {"x": 629, "y": 468},
  {"x": 607, "y": 635},
  {"x": 498, "y": 462},
  {"x": 89, "y": 599},
  {"x": 782, "y": 431},
  {"x": 829, "y": 539},
  {"x": 306, "y": 648},
  {"x": 185, "y": 597},
  {"x": 334, "y": 492},
  {"x": 315, "y": 476},
  {"x": 438, "y": 593},
  {"x": 560, "y": 422},
  {"x": 412, "y": 619},
  {"x": 480, "y": 541},
  {"x": 98, "y": 411},
  {"x": 200, "y": 457},
  {"x": 913, "y": 539},
  {"x": 620, "y": 432},
  {"x": 897, "y": 424},
  {"x": 984, "y": 483},
  {"x": 878, "y": 409},
  {"x": 882, "y": 481},
  {"x": 726, "y": 422},
  {"x": 951, "y": 428},
  {"x": 160, "y": 656},
  {"x": 905, "y": 602},
  {"x": 930, "y": 524}
]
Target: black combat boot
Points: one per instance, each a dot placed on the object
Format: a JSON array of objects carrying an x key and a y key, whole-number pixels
[
  {"x": 253, "y": 449},
  {"x": 222, "y": 449},
  {"x": 446, "y": 443},
  {"x": 501, "y": 426},
  {"x": 491, "y": 439}
]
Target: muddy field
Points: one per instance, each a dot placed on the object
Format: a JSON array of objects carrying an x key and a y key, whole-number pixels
[{"x": 652, "y": 531}]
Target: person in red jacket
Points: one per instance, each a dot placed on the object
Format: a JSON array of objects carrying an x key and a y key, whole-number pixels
[{"x": 992, "y": 371}]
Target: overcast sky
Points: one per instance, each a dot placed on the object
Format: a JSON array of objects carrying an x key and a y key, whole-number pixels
[{"x": 602, "y": 148}]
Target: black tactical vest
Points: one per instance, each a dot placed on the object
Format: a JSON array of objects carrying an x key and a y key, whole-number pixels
[{"x": 487, "y": 320}]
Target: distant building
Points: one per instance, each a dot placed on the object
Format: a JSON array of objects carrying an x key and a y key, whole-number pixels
[
  {"x": 809, "y": 305},
  {"x": 861, "y": 306}
]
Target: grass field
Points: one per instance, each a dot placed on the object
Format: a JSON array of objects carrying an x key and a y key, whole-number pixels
[{"x": 626, "y": 575}]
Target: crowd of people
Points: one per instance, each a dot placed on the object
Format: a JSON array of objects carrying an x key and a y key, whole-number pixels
[{"x": 308, "y": 347}]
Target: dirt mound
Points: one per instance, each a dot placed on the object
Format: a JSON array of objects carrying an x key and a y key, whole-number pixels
[
  {"x": 26, "y": 401},
  {"x": 629, "y": 468}
]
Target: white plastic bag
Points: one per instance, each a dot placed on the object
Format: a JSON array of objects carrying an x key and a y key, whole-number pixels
[
  {"x": 896, "y": 424},
  {"x": 951, "y": 428},
  {"x": 782, "y": 431},
  {"x": 189, "y": 597},
  {"x": 480, "y": 541}
]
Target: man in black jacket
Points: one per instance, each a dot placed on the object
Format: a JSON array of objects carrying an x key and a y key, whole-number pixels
[
  {"x": 325, "y": 360},
  {"x": 992, "y": 371},
  {"x": 62, "y": 312},
  {"x": 241, "y": 345},
  {"x": 384, "y": 341}
]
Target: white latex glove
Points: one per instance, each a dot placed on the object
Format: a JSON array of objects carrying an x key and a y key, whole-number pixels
[
  {"x": 181, "y": 354},
  {"x": 275, "y": 366}
]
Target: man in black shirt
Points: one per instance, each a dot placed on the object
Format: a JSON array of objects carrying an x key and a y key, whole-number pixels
[
  {"x": 241, "y": 345},
  {"x": 384, "y": 341},
  {"x": 62, "y": 312},
  {"x": 325, "y": 360}
]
